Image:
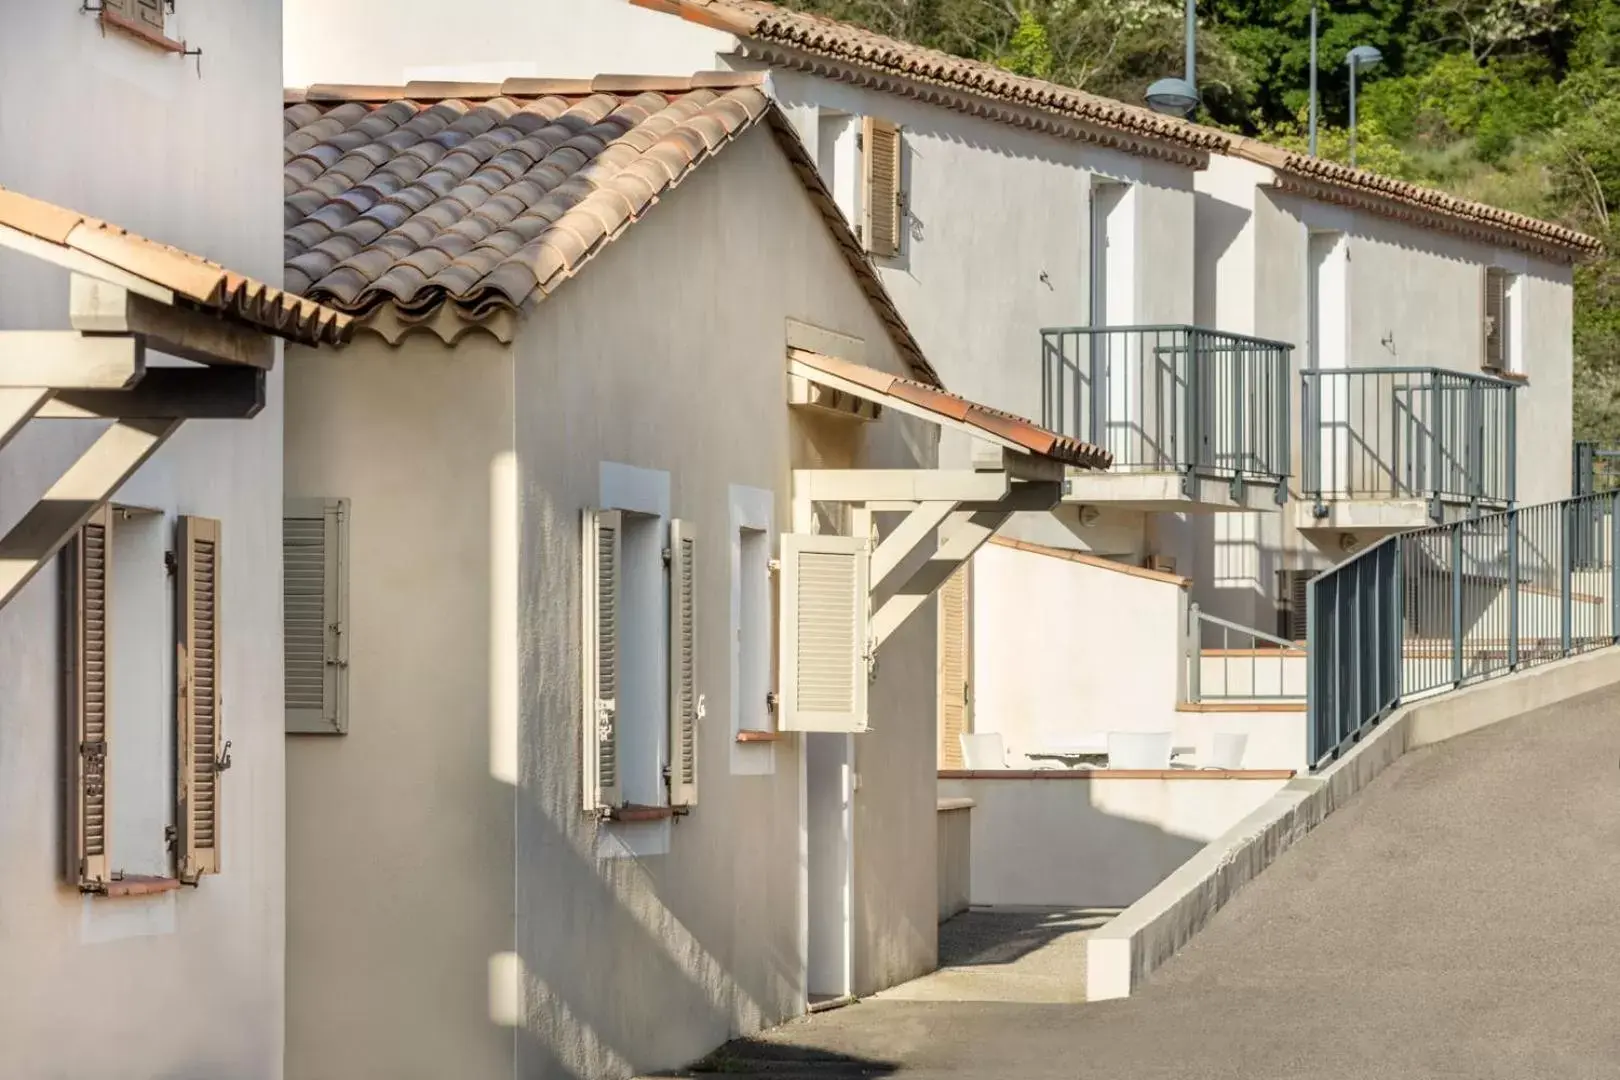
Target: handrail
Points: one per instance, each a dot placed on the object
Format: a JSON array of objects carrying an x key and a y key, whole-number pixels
[
  {"x": 1259, "y": 671},
  {"x": 1477, "y": 598},
  {"x": 1184, "y": 399}
]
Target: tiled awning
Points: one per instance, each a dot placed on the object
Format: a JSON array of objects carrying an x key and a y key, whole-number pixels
[{"x": 917, "y": 399}]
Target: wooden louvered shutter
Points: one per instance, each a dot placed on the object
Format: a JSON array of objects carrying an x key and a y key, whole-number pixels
[
  {"x": 202, "y": 751},
  {"x": 315, "y": 578},
  {"x": 825, "y": 633},
  {"x": 1496, "y": 308},
  {"x": 150, "y": 13},
  {"x": 600, "y": 648},
  {"x": 89, "y": 573},
  {"x": 1292, "y": 621},
  {"x": 955, "y": 668},
  {"x": 685, "y": 706},
  {"x": 880, "y": 167}
]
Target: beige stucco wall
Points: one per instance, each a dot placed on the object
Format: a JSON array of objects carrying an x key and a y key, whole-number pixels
[
  {"x": 1414, "y": 299},
  {"x": 188, "y": 983},
  {"x": 399, "y": 837}
]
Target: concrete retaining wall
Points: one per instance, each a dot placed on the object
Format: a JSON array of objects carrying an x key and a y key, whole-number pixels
[
  {"x": 1120, "y": 956},
  {"x": 955, "y": 855}
]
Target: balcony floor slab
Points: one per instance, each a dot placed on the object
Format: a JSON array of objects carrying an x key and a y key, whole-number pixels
[{"x": 1162, "y": 492}]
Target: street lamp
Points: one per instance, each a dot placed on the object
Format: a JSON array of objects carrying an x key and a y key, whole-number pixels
[
  {"x": 1179, "y": 97},
  {"x": 1362, "y": 56}
]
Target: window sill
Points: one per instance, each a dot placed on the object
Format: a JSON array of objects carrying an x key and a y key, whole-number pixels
[
  {"x": 138, "y": 885},
  {"x": 751, "y": 735},
  {"x": 141, "y": 32},
  {"x": 645, "y": 813}
]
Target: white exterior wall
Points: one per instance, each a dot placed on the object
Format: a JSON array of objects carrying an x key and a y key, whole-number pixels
[
  {"x": 560, "y": 946},
  {"x": 399, "y": 835},
  {"x": 1414, "y": 298},
  {"x": 188, "y": 983}
]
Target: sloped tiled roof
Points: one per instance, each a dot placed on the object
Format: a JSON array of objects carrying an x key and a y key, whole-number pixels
[
  {"x": 205, "y": 284},
  {"x": 481, "y": 198},
  {"x": 1142, "y": 130},
  {"x": 881, "y": 387}
]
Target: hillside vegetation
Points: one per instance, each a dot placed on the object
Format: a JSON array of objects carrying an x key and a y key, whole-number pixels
[{"x": 1511, "y": 102}]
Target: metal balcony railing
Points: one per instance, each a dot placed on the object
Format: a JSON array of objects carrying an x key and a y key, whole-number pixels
[
  {"x": 1400, "y": 433},
  {"x": 1596, "y": 468},
  {"x": 1182, "y": 399},
  {"x": 1437, "y": 608}
]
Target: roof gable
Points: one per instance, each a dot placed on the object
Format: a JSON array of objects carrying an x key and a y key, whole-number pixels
[{"x": 438, "y": 206}]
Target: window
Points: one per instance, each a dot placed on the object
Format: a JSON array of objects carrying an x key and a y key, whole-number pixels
[
  {"x": 1501, "y": 300},
  {"x": 144, "y": 19},
  {"x": 315, "y": 615},
  {"x": 148, "y": 814},
  {"x": 881, "y": 217},
  {"x": 837, "y": 159},
  {"x": 642, "y": 707},
  {"x": 752, "y": 649}
]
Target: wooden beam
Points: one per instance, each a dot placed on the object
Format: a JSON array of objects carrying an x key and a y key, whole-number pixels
[
  {"x": 82, "y": 263},
  {"x": 907, "y": 537},
  {"x": 963, "y": 533},
  {"x": 98, "y": 307},
  {"x": 18, "y": 405},
  {"x": 67, "y": 360},
  {"x": 184, "y": 393},
  {"x": 88, "y": 483}
]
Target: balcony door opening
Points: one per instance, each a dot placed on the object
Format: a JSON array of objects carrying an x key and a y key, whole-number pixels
[
  {"x": 1329, "y": 342},
  {"x": 1116, "y": 378},
  {"x": 829, "y": 822}
]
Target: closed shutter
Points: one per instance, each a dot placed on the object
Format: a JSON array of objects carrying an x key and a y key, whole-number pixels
[
  {"x": 685, "y": 706},
  {"x": 126, "y": 8},
  {"x": 315, "y": 618},
  {"x": 880, "y": 141},
  {"x": 600, "y": 648},
  {"x": 201, "y": 748},
  {"x": 1292, "y": 621},
  {"x": 1496, "y": 308},
  {"x": 826, "y": 619},
  {"x": 89, "y": 570},
  {"x": 954, "y": 668},
  {"x": 150, "y": 13}
]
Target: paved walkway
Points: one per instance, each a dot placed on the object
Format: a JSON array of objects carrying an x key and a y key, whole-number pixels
[
  {"x": 1034, "y": 955},
  {"x": 1460, "y": 919}
]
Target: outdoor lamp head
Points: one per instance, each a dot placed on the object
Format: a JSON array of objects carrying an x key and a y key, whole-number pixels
[
  {"x": 1363, "y": 56},
  {"x": 1174, "y": 96}
]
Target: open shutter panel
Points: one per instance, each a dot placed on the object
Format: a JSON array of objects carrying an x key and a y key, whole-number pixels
[
  {"x": 826, "y": 619},
  {"x": 201, "y": 749},
  {"x": 953, "y": 668},
  {"x": 685, "y": 706},
  {"x": 314, "y": 548},
  {"x": 89, "y": 568},
  {"x": 150, "y": 13},
  {"x": 880, "y": 163},
  {"x": 600, "y": 641},
  {"x": 1495, "y": 318}
]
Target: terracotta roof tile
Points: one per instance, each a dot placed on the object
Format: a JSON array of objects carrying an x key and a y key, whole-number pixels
[
  {"x": 201, "y": 283},
  {"x": 1141, "y": 130},
  {"x": 486, "y": 197},
  {"x": 1014, "y": 429}
]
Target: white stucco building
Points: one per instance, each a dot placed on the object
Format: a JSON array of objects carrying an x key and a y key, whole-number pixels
[
  {"x": 611, "y": 728},
  {"x": 140, "y": 497}
]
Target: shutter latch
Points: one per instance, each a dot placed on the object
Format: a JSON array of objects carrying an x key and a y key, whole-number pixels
[{"x": 223, "y": 762}]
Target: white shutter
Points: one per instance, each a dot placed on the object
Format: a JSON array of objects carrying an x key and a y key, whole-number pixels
[
  {"x": 603, "y": 531},
  {"x": 826, "y": 632},
  {"x": 202, "y": 751},
  {"x": 89, "y": 580},
  {"x": 880, "y": 166},
  {"x": 315, "y": 615},
  {"x": 685, "y": 705}
]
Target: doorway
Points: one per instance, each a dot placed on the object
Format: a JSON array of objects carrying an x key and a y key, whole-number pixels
[
  {"x": 828, "y": 761},
  {"x": 1329, "y": 340}
]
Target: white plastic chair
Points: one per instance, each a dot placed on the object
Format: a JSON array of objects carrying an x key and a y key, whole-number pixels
[
  {"x": 1226, "y": 750},
  {"x": 983, "y": 751},
  {"x": 1139, "y": 749}
]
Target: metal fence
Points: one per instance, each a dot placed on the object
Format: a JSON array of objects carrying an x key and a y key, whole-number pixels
[
  {"x": 1596, "y": 468},
  {"x": 1441, "y": 607},
  {"x": 1391, "y": 433},
  {"x": 1172, "y": 399},
  {"x": 1229, "y": 661}
]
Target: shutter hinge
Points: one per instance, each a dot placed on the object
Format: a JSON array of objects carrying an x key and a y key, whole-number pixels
[
  {"x": 223, "y": 762},
  {"x": 771, "y": 701},
  {"x": 669, "y": 557},
  {"x": 171, "y": 563},
  {"x": 860, "y": 140},
  {"x": 773, "y": 567}
]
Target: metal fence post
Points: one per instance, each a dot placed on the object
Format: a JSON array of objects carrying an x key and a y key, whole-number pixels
[
  {"x": 1513, "y": 589},
  {"x": 1513, "y": 446},
  {"x": 1456, "y": 605},
  {"x": 1565, "y": 607},
  {"x": 1614, "y": 565},
  {"x": 1195, "y": 657},
  {"x": 1437, "y": 444},
  {"x": 1398, "y": 572},
  {"x": 1313, "y": 686},
  {"x": 1099, "y": 387}
]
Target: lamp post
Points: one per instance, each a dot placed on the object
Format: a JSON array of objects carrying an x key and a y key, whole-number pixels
[
  {"x": 1313, "y": 78},
  {"x": 1359, "y": 57},
  {"x": 1179, "y": 97}
]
